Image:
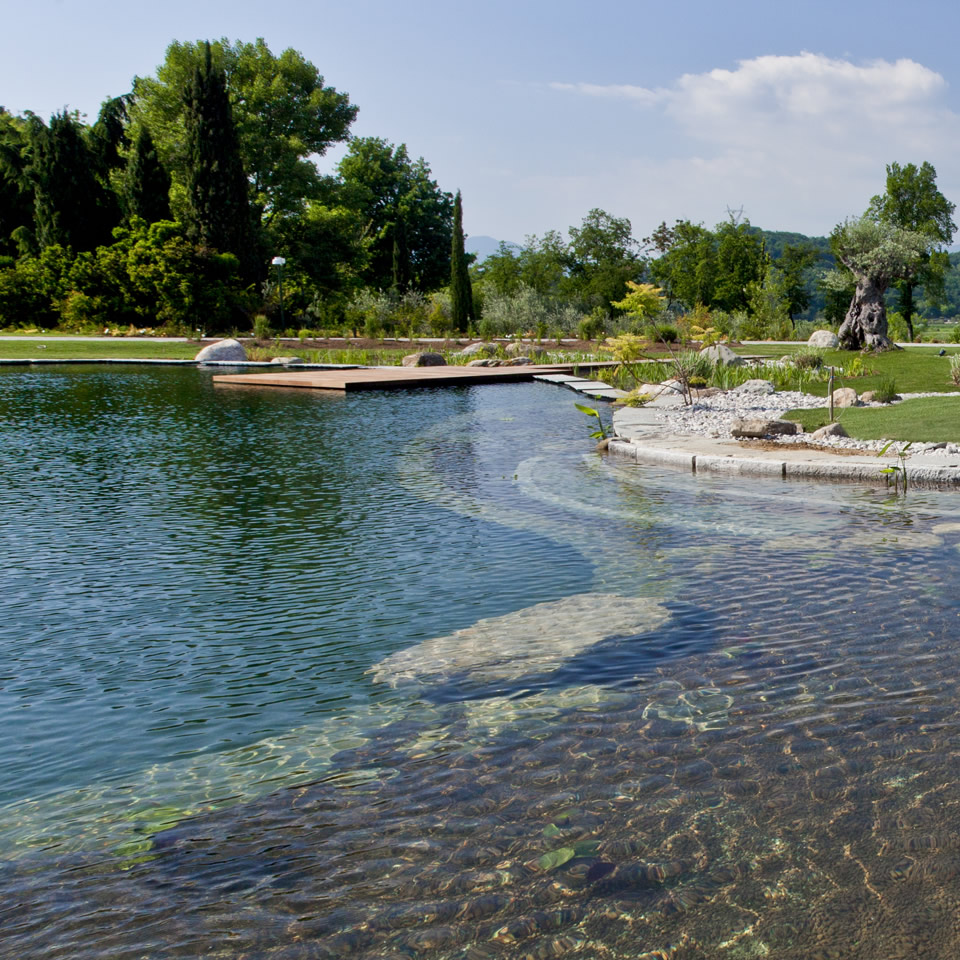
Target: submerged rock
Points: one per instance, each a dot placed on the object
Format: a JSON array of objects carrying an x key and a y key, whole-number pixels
[{"x": 536, "y": 639}]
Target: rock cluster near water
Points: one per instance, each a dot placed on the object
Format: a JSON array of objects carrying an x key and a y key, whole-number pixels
[
  {"x": 756, "y": 402},
  {"x": 537, "y": 639}
]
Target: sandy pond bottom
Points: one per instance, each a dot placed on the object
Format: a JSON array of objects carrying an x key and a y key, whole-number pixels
[{"x": 758, "y": 754}]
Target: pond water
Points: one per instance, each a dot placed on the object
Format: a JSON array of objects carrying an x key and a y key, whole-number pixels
[{"x": 418, "y": 674}]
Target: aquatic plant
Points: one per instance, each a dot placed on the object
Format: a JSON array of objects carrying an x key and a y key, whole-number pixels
[
  {"x": 897, "y": 473},
  {"x": 599, "y": 433}
]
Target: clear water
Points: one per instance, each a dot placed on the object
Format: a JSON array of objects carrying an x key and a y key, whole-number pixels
[{"x": 291, "y": 675}]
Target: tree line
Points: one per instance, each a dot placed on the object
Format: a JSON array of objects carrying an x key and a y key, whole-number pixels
[{"x": 167, "y": 210}]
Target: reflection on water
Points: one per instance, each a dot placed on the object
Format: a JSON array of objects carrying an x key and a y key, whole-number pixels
[{"x": 759, "y": 758}]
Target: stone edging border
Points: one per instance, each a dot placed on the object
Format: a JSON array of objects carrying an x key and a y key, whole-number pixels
[{"x": 705, "y": 456}]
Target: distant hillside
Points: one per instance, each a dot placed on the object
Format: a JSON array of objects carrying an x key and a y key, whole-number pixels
[{"x": 484, "y": 246}]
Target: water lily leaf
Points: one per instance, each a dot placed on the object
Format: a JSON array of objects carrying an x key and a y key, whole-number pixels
[
  {"x": 556, "y": 858},
  {"x": 586, "y": 848},
  {"x": 551, "y": 830}
]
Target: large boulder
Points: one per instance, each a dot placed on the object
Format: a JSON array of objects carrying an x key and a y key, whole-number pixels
[
  {"x": 424, "y": 360},
  {"x": 755, "y": 387},
  {"x": 523, "y": 348},
  {"x": 484, "y": 362},
  {"x": 824, "y": 339},
  {"x": 228, "y": 351},
  {"x": 720, "y": 353},
  {"x": 845, "y": 397},
  {"x": 830, "y": 430},
  {"x": 479, "y": 350},
  {"x": 757, "y": 429}
]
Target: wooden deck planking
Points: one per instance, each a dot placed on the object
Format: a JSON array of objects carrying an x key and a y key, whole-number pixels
[{"x": 396, "y": 378}]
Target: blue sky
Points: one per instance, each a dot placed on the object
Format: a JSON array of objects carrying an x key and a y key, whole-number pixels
[{"x": 539, "y": 111}]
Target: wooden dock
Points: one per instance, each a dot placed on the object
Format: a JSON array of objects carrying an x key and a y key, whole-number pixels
[{"x": 399, "y": 378}]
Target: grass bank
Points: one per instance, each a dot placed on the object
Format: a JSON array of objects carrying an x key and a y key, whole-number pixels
[
  {"x": 915, "y": 369},
  {"x": 926, "y": 420},
  {"x": 64, "y": 348}
]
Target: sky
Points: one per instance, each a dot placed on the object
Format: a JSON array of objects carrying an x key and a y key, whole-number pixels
[{"x": 540, "y": 111}]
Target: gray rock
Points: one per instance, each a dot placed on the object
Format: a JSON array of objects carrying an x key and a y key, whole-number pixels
[
  {"x": 845, "y": 397},
  {"x": 479, "y": 350},
  {"x": 759, "y": 387},
  {"x": 756, "y": 429},
  {"x": 484, "y": 362},
  {"x": 523, "y": 348},
  {"x": 518, "y": 362},
  {"x": 720, "y": 353},
  {"x": 287, "y": 360},
  {"x": 830, "y": 430},
  {"x": 424, "y": 360},
  {"x": 225, "y": 350},
  {"x": 824, "y": 338}
]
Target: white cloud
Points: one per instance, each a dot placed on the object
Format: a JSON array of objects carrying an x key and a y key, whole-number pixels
[{"x": 801, "y": 141}]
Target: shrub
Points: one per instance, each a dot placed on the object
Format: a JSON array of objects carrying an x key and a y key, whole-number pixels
[
  {"x": 808, "y": 359},
  {"x": 885, "y": 390},
  {"x": 955, "y": 369},
  {"x": 261, "y": 327}
]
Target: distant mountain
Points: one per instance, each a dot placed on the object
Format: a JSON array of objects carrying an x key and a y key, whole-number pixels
[{"x": 484, "y": 246}]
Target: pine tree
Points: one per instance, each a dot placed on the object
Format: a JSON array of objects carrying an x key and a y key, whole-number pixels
[
  {"x": 71, "y": 208},
  {"x": 220, "y": 214},
  {"x": 148, "y": 183},
  {"x": 461, "y": 294}
]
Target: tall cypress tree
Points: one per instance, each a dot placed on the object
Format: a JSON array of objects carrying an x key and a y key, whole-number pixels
[
  {"x": 220, "y": 214},
  {"x": 461, "y": 293},
  {"x": 148, "y": 183},
  {"x": 71, "y": 207}
]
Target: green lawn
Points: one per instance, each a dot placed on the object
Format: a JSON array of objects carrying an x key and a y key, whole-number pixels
[
  {"x": 927, "y": 420},
  {"x": 63, "y": 348},
  {"x": 915, "y": 369}
]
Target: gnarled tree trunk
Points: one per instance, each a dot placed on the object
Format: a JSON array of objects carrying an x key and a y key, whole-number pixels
[{"x": 865, "y": 325}]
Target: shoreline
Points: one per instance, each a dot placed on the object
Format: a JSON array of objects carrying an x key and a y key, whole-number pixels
[{"x": 647, "y": 435}]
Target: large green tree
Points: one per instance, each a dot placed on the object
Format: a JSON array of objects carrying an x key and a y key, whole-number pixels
[
  {"x": 16, "y": 188},
  {"x": 913, "y": 202},
  {"x": 71, "y": 206},
  {"x": 793, "y": 268},
  {"x": 603, "y": 257},
  {"x": 409, "y": 218},
  {"x": 284, "y": 115},
  {"x": 686, "y": 267},
  {"x": 876, "y": 253},
  {"x": 147, "y": 182},
  {"x": 217, "y": 189}
]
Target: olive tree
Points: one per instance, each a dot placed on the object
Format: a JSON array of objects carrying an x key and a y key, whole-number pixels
[{"x": 877, "y": 253}]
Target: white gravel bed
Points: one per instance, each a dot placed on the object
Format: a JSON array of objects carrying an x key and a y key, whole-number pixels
[{"x": 713, "y": 417}]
